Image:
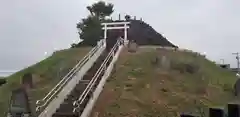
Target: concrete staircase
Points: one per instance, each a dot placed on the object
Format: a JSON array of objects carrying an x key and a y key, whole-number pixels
[
  {"x": 66, "y": 108},
  {"x": 78, "y": 95}
]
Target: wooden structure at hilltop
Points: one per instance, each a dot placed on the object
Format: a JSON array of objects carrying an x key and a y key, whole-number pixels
[
  {"x": 139, "y": 31},
  {"x": 133, "y": 29}
]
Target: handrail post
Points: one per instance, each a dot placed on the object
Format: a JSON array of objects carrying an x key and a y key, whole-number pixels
[
  {"x": 90, "y": 55},
  {"x": 104, "y": 67},
  {"x": 112, "y": 55}
]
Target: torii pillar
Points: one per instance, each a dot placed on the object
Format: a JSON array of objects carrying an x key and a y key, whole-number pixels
[{"x": 125, "y": 34}]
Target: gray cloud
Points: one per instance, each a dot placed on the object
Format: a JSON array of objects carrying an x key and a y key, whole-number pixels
[{"x": 29, "y": 28}]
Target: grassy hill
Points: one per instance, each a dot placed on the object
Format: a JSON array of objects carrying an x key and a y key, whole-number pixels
[
  {"x": 142, "y": 87},
  {"x": 45, "y": 75}
]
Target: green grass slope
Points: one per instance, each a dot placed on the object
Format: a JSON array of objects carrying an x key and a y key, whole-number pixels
[
  {"x": 141, "y": 88},
  {"x": 46, "y": 74}
]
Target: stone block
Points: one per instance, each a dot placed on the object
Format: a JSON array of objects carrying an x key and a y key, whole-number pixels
[
  {"x": 132, "y": 46},
  {"x": 19, "y": 104},
  {"x": 27, "y": 80}
]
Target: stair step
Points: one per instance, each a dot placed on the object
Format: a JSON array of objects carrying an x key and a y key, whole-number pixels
[
  {"x": 75, "y": 92},
  {"x": 66, "y": 103},
  {"x": 65, "y": 107},
  {"x": 74, "y": 95},
  {"x": 70, "y": 99},
  {"x": 60, "y": 114},
  {"x": 80, "y": 87}
]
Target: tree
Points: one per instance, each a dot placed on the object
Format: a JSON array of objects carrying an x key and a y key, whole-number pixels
[
  {"x": 90, "y": 27},
  {"x": 91, "y": 30},
  {"x": 2, "y": 81},
  {"x": 127, "y": 17},
  {"x": 74, "y": 45},
  {"x": 101, "y": 9}
]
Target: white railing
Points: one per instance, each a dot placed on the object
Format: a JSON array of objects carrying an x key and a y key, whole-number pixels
[
  {"x": 102, "y": 68},
  {"x": 94, "y": 96},
  {"x": 67, "y": 89},
  {"x": 52, "y": 94}
]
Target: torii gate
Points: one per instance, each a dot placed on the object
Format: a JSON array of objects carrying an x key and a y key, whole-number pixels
[{"x": 109, "y": 26}]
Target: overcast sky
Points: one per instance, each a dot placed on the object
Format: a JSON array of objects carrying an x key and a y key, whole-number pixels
[{"x": 28, "y": 28}]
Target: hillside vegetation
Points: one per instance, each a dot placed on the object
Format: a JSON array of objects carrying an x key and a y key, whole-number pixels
[
  {"x": 143, "y": 87},
  {"x": 45, "y": 76}
]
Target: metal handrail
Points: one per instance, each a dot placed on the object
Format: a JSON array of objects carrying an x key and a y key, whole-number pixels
[
  {"x": 93, "y": 80},
  {"x": 43, "y": 102}
]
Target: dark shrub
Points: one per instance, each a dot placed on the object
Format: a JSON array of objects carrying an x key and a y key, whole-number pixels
[
  {"x": 237, "y": 88},
  {"x": 2, "y": 81}
]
